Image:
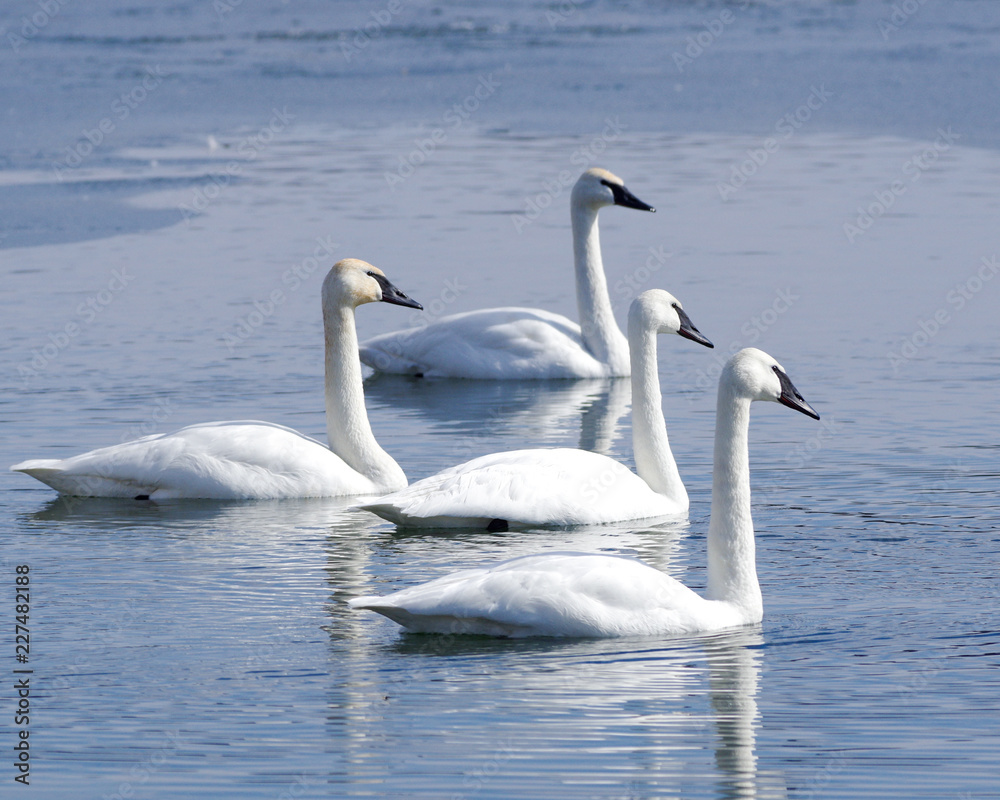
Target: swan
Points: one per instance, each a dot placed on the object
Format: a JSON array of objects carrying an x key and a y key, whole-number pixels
[
  {"x": 527, "y": 343},
  {"x": 244, "y": 460},
  {"x": 564, "y": 486},
  {"x": 583, "y": 594}
]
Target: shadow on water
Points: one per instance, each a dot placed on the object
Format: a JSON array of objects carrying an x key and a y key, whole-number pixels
[{"x": 114, "y": 513}]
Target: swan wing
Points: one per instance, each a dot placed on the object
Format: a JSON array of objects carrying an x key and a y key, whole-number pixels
[
  {"x": 214, "y": 460},
  {"x": 554, "y": 487},
  {"x": 496, "y": 343},
  {"x": 552, "y": 594}
]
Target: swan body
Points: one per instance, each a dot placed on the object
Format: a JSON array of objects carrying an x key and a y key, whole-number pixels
[
  {"x": 582, "y": 594},
  {"x": 527, "y": 343},
  {"x": 564, "y": 486},
  {"x": 491, "y": 344},
  {"x": 243, "y": 460},
  {"x": 557, "y": 487},
  {"x": 553, "y": 594},
  {"x": 235, "y": 460}
]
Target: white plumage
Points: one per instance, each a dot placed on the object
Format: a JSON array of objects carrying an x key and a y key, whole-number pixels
[
  {"x": 526, "y": 343},
  {"x": 562, "y": 486},
  {"x": 582, "y": 594},
  {"x": 556, "y": 487},
  {"x": 554, "y": 594},
  {"x": 235, "y": 460},
  {"x": 256, "y": 460},
  {"x": 492, "y": 344}
]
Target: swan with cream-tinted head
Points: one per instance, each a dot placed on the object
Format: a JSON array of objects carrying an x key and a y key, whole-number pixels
[
  {"x": 250, "y": 459},
  {"x": 562, "y": 486},
  {"x": 527, "y": 343},
  {"x": 583, "y": 594}
]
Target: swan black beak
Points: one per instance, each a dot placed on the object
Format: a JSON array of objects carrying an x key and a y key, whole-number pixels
[
  {"x": 688, "y": 330},
  {"x": 623, "y": 197},
  {"x": 390, "y": 294},
  {"x": 790, "y": 396}
]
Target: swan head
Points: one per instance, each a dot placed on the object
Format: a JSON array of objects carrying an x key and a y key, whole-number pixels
[
  {"x": 352, "y": 282},
  {"x": 760, "y": 377},
  {"x": 598, "y": 188},
  {"x": 659, "y": 311}
]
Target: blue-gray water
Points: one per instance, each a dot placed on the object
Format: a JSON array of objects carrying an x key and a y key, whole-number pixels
[{"x": 170, "y": 275}]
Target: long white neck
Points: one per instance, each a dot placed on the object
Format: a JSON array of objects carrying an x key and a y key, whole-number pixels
[
  {"x": 601, "y": 334},
  {"x": 347, "y": 426},
  {"x": 654, "y": 462},
  {"x": 732, "y": 563}
]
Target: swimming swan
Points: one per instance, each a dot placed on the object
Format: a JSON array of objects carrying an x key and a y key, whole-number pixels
[
  {"x": 581, "y": 594},
  {"x": 527, "y": 343},
  {"x": 257, "y": 460},
  {"x": 564, "y": 486}
]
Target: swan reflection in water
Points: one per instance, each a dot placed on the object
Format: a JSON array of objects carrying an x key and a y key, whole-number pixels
[
  {"x": 654, "y": 716},
  {"x": 533, "y": 411}
]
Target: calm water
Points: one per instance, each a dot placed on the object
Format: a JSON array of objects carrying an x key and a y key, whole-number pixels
[{"x": 206, "y": 650}]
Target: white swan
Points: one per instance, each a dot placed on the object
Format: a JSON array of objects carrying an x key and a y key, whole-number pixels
[
  {"x": 257, "y": 460},
  {"x": 563, "y": 486},
  {"x": 527, "y": 343},
  {"x": 580, "y": 594}
]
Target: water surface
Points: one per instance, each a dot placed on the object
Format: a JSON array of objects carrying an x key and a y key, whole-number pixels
[{"x": 206, "y": 649}]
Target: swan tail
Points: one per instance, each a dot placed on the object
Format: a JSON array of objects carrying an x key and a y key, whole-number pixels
[
  {"x": 397, "y": 516},
  {"x": 439, "y": 623},
  {"x": 51, "y": 472}
]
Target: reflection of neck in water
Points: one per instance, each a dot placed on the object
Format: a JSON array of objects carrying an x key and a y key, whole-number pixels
[
  {"x": 600, "y": 418},
  {"x": 733, "y": 674}
]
